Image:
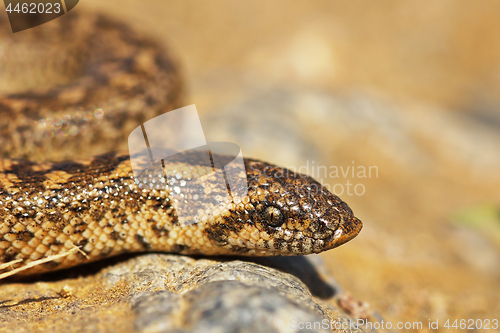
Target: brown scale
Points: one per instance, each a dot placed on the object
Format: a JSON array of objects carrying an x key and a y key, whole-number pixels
[{"x": 106, "y": 81}]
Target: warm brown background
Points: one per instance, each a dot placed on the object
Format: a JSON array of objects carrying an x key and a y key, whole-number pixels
[{"x": 410, "y": 87}]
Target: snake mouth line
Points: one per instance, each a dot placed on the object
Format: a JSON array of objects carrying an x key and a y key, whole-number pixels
[{"x": 345, "y": 232}]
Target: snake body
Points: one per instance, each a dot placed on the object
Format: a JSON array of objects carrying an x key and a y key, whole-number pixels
[{"x": 107, "y": 81}]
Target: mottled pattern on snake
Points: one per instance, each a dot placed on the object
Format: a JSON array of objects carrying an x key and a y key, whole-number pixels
[
  {"x": 77, "y": 86},
  {"x": 47, "y": 208}
]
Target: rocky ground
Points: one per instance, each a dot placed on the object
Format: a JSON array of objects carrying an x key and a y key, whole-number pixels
[{"x": 171, "y": 293}]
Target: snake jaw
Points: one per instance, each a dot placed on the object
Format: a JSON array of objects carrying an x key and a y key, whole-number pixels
[{"x": 347, "y": 230}]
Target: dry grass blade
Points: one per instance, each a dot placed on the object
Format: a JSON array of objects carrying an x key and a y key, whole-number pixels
[
  {"x": 35, "y": 263},
  {"x": 9, "y": 264}
]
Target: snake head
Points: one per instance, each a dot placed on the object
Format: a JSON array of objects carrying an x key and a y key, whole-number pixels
[{"x": 285, "y": 213}]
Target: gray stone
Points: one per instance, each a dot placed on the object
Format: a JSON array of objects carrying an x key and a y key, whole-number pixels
[{"x": 171, "y": 293}]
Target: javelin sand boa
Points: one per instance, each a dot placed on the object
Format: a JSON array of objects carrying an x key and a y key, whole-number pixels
[{"x": 93, "y": 81}]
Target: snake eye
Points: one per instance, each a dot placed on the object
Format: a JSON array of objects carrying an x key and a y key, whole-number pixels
[{"x": 273, "y": 216}]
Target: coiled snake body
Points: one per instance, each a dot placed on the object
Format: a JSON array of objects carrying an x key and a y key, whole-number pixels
[{"x": 75, "y": 88}]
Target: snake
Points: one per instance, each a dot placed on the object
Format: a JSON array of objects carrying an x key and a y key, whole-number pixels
[{"x": 71, "y": 91}]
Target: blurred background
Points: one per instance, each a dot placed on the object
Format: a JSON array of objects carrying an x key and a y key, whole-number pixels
[{"x": 411, "y": 89}]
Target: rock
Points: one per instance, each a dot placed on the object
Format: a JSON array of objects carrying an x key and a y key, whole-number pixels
[{"x": 171, "y": 293}]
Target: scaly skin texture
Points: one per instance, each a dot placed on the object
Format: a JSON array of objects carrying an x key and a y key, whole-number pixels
[
  {"x": 96, "y": 81},
  {"x": 120, "y": 81},
  {"x": 47, "y": 209}
]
